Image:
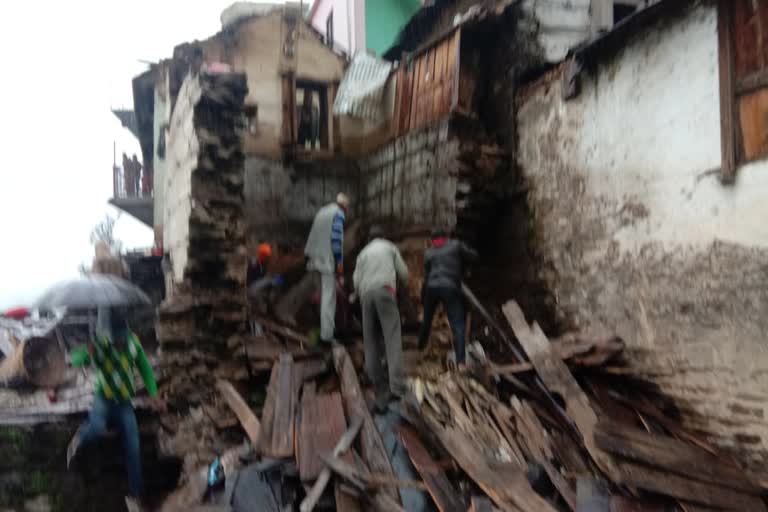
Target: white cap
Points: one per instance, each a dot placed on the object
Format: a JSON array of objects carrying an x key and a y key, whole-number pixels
[{"x": 342, "y": 199}]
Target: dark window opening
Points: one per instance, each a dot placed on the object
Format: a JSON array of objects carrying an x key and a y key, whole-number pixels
[
  {"x": 329, "y": 30},
  {"x": 311, "y": 116},
  {"x": 622, "y": 10}
]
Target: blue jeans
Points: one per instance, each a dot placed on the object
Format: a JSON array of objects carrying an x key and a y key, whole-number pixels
[
  {"x": 453, "y": 302},
  {"x": 122, "y": 416}
]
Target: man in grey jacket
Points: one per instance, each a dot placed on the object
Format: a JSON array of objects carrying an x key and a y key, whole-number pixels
[
  {"x": 325, "y": 252},
  {"x": 443, "y": 263},
  {"x": 379, "y": 267}
]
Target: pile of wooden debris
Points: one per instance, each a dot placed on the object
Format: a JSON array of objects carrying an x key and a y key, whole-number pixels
[{"x": 561, "y": 429}]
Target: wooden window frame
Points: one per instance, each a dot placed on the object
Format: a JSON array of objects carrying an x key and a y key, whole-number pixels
[{"x": 732, "y": 90}]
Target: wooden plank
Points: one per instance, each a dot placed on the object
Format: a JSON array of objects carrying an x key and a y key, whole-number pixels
[
  {"x": 509, "y": 491},
  {"x": 268, "y": 412},
  {"x": 753, "y": 108},
  {"x": 322, "y": 423},
  {"x": 285, "y": 407},
  {"x": 247, "y": 418},
  {"x": 480, "y": 504},
  {"x": 671, "y": 455},
  {"x": 305, "y": 437},
  {"x": 346, "y": 502},
  {"x": 417, "y": 64},
  {"x": 373, "y": 450},
  {"x": 345, "y": 441},
  {"x": 557, "y": 378},
  {"x": 440, "y": 488},
  {"x": 727, "y": 97},
  {"x": 454, "y": 59},
  {"x": 542, "y": 451},
  {"x": 363, "y": 481},
  {"x": 663, "y": 482}
]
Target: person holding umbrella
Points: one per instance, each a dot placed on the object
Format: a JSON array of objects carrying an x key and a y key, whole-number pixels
[{"x": 115, "y": 352}]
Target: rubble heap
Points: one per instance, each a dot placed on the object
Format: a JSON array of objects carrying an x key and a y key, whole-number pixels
[
  {"x": 206, "y": 314},
  {"x": 559, "y": 428}
]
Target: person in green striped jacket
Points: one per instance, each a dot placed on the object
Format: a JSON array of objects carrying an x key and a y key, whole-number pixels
[{"x": 115, "y": 353}]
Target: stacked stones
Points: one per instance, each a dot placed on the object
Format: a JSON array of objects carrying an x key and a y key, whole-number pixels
[{"x": 206, "y": 314}]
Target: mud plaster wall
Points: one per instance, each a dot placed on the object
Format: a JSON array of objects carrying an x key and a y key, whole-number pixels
[
  {"x": 281, "y": 200},
  {"x": 412, "y": 181},
  {"x": 181, "y": 158},
  {"x": 637, "y": 236}
]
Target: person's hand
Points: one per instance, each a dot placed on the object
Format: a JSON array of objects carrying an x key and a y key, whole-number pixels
[
  {"x": 353, "y": 298},
  {"x": 341, "y": 281}
]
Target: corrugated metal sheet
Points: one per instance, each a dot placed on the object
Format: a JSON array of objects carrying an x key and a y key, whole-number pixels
[{"x": 361, "y": 92}]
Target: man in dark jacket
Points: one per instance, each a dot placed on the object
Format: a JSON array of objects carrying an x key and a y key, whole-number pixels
[{"x": 443, "y": 264}]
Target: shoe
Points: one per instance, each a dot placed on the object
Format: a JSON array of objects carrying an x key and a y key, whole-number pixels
[{"x": 74, "y": 445}]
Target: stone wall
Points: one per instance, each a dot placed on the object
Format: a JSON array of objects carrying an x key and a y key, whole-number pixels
[
  {"x": 205, "y": 311},
  {"x": 282, "y": 199},
  {"x": 634, "y": 233},
  {"x": 412, "y": 180}
]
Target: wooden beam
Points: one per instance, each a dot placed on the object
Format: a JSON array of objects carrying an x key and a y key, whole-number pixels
[
  {"x": 663, "y": 482},
  {"x": 285, "y": 410},
  {"x": 510, "y": 491},
  {"x": 345, "y": 441},
  {"x": 558, "y": 379},
  {"x": 364, "y": 481},
  {"x": 671, "y": 455},
  {"x": 728, "y": 120},
  {"x": 440, "y": 488},
  {"x": 247, "y": 418},
  {"x": 373, "y": 450}
]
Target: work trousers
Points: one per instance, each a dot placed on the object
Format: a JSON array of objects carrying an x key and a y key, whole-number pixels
[
  {"x": 453, "y": 302},
  {"x": 327, "y": 306},
  {"x": 381, "y": 336},
  {"x": 122, "y": 416}
]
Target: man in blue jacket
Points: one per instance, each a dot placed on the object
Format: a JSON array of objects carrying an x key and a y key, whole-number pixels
[{"x": 325, "y": 252}]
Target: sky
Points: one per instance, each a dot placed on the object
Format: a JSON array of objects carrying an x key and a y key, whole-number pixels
[{"x": 66, "y": 64}]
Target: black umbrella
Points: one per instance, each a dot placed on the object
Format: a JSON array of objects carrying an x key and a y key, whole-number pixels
[{"x": 92, "y": 291}]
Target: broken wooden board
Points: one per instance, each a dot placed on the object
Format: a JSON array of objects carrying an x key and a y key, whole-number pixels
[
  {"x": 285, "y": 410},
  {"x": 558, "y": 378},
  {"x": 541, "y": 450},
  {"x": 373, "y": 450},
  {"x": 322, "y": 424},
  {"x": 439, "y": 487},
  {"x": 361, "y": 479},
  {"x": 671, "y": 455},
  {"x": 345, "y": 441},
  {"x": 578, "y": 352},
  {"x": 268, "y": 411},
  {"x": 510, "y": 491},
  {"x": 245, "y": 416},
  {"x": 345, "y": 501},
  {"x": 668, "y": 484}
]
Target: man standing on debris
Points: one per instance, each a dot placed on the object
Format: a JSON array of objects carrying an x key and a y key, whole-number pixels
[
  {"x": 379, "y": 266},
  {"x": 115, "y": 352},
  {"x": 442, "y": 285},
  {"x": 325, "y": 252}
]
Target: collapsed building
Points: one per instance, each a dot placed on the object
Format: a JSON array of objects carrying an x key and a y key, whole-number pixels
[{"x": 609, "y": 178}]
